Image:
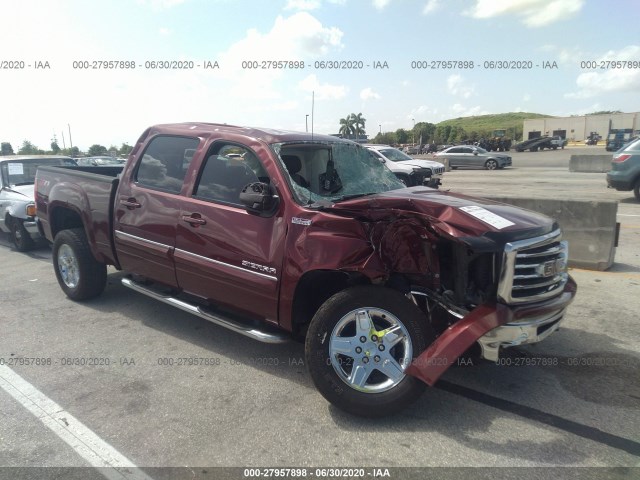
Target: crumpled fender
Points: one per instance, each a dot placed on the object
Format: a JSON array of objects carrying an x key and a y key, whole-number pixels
[{"x": 454, "y": 341}]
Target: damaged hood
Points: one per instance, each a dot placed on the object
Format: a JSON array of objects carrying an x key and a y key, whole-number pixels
[{"x": 452, "y": 214}]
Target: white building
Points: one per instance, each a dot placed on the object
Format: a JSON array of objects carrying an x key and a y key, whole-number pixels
[{"x": 578, "y": 128}]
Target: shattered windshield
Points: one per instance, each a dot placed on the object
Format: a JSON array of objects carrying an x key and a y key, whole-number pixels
[{"x": 321, "y": 172}]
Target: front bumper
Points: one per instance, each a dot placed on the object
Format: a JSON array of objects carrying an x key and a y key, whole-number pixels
[
  {"x": 531, "y": 330},
  {"x": 31, "y": 226},
  {"x": 482, "y": 320}
]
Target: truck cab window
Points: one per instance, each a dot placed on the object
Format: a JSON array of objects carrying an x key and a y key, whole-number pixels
[
  {"x": 162, "y": 166},
  {"x": 226, "y": 171}
]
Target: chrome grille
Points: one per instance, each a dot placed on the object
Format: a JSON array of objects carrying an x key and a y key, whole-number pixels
[{"x": 534, "y": 269}]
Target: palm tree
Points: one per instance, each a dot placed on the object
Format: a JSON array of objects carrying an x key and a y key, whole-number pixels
[
  {"x": 358, "y": 123},
  {"x": 346, "y": 126}
]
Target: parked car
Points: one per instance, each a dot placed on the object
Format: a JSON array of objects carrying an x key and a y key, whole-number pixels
[
  {"x": 411, "y": 150},
  {"x": 101, "y": 161},
  {"x": 471, "y": 156},
  {"x": 410, "y": 171},
  {"x": 625, "y": 169},
  {"x": 17, "y": 207}
]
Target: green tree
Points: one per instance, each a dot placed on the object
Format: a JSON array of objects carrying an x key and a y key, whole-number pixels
[
  {"x": 28, "y": 148},
  {"x": 358, "y": 124},
  {"x": 7, "y": 149},
  {"x": 346, "y": 126},
  {"x": 402, "y": 136},
  {"x": 96, "y": 150},
  {"x": 55, "y": 148},
  {"x": 125, "y": 149},
  {"x": 424, "y": 130},
  {"x": 71, "y": 152}
]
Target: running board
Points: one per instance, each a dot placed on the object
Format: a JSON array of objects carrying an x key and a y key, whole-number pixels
[{"x": 238, "y": 327}]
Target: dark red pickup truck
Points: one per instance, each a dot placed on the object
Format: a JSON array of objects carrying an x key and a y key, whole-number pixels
[{"x": 280, "y": 235}]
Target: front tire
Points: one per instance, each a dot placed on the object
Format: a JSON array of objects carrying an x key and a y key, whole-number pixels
[
  {"x": 20, "y": 237},
  {"x": 358, "y": 345},
  {"x": 491, "y": 164},
  {"x": 79, "y": 274}
]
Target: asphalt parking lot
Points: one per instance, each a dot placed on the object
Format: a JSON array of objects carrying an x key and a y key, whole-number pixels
[{"x": 113, "y": 367}]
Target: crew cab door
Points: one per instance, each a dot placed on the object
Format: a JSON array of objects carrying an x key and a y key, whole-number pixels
[
  {"x": 223, "y": 253},
  {"x": 148, "y": 206}
]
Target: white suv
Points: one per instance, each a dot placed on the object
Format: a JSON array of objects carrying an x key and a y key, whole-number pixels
[{"x": 410, "y": 171}]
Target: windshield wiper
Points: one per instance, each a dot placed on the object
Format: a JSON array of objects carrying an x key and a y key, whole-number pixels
[{"x": 355, "y": 195}]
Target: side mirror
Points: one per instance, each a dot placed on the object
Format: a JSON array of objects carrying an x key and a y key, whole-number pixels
[
  {"x": 382, "y": 160},
  {"x": 259, "y": 198},
  {"x": 475, "y": 152}
]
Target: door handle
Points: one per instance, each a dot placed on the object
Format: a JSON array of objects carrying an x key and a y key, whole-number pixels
[
  {"x": 130, "y": 203},
  {"x": 194, "y": 221}
]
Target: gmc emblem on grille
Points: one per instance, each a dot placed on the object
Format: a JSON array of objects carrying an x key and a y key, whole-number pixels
[{"x": 551, "y": 268}]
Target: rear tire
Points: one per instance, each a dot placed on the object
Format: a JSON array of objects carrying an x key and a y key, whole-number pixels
[
  {"x": 19, "y": 236},
  {"x": 366, "y": 378},
  {"x": 79, "y": 274},
  {"x": 636, "y": 190}
]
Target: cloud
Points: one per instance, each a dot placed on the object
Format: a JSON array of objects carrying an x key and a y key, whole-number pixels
[
  {"x": 593, "y": 83},
  {"x": 459, "y": 110},
  {"x": 298, "y": 37},
  {"x": 309, "y": 4},
  {"x": 368, "y": 93},
  {"x": 303, "y": 5},
  {"x": 380, "y": 4},
  {"x": 458, "y": 87},
  {"x": 526, "y": 97},
  {"x": 430, "y": 7},
  {"x": 158, "y": 5},
  {"x": 420, "y": 111},
  {"x": 533, "y": 13},
  {"x": 164, "y": 31},
  {"x": 323, "y": 91}
]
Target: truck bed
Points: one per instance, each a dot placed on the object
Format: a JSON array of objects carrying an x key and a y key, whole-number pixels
[{"x": 73, "y": 197}]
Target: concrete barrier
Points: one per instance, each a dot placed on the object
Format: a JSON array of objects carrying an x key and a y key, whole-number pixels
[
  {"x": 590, "y": 163},
  {"x": 589, "y": 226}
]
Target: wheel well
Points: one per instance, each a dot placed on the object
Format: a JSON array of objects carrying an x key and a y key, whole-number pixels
[
  {"x": 313, "y": 289},
  {"x": 64, "y": 219}
]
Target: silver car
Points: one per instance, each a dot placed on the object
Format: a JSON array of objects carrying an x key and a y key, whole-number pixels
[{"x": 469, "y": 156}]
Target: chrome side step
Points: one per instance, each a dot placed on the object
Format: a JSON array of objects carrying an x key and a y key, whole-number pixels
[{"x": 247, "y": 330}]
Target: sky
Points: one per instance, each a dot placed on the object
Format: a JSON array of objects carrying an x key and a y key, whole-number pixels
[{"x": 113, "y": 106}]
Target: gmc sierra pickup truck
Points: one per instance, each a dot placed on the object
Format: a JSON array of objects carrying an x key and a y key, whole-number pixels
[{"x": 280, "y": 235}]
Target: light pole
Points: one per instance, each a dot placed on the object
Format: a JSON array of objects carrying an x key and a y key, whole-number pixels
[
  {"x": 413, "y": 132},
  {"x": 380, "y": 125},
  {"x": 306, "y": 122}
]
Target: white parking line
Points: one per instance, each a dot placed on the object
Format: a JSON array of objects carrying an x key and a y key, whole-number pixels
[
  {"x": 627, "y": 215},
  {"x": 98, "y": 453}
]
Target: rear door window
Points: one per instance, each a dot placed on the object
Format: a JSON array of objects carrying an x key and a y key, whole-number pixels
[{"x": 163, "y": 165}]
